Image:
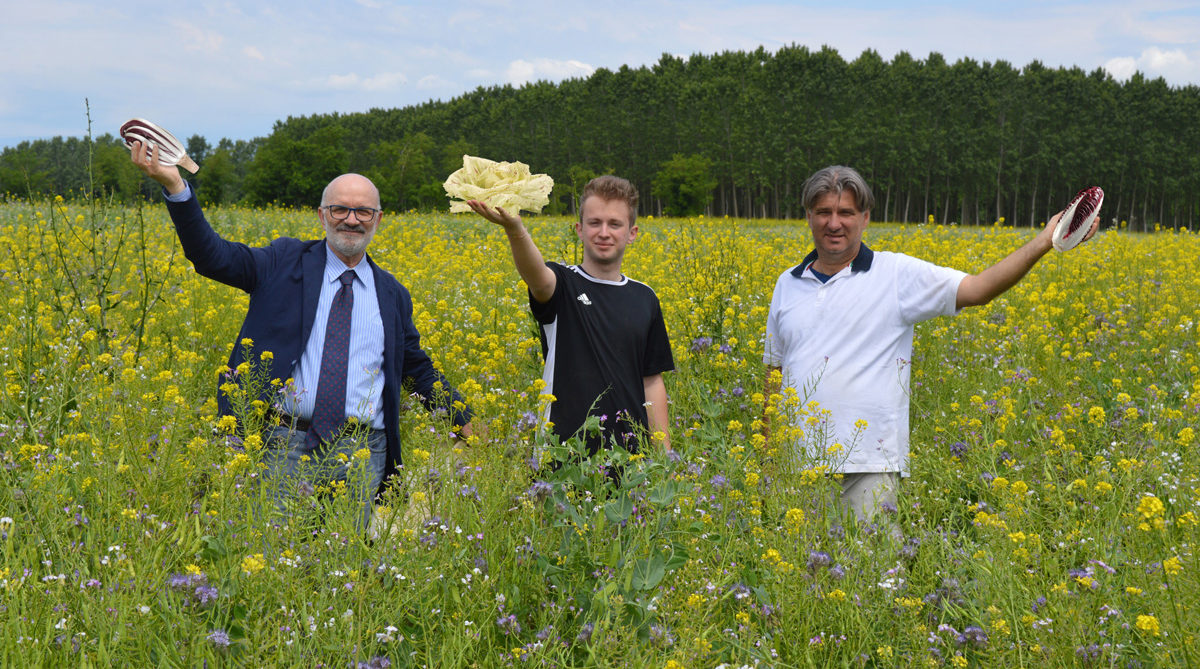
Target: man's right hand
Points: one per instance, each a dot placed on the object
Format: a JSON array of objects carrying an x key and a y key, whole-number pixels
[
  {"x": 526, "y": 256},
  {"x": 497, "y": 215},
  {"x": 146, "y": 159}
]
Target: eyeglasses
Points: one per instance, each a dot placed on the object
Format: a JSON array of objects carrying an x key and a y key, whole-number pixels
[{"x": 339, "y": 213}]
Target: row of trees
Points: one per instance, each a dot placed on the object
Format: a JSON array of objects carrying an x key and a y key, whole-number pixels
[
  {"x": 61, "y": 166},
  {"x": 736, "y": 134}
]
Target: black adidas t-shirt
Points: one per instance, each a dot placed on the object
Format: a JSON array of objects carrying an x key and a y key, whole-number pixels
[{"x": 599, "y": 339}]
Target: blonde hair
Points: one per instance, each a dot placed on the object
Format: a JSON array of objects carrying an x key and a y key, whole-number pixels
[{"x": 609, "y": 187}]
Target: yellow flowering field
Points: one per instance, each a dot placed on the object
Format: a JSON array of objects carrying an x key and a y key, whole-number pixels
[{"x": 1051, "y": 515}]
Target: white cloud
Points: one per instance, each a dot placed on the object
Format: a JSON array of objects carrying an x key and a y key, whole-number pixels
[
  {"x": 384, "y": 81},
  {"x": 431, "y": 81},
  {"x": 1174, "y": 65},
  {"x": 353, "y": 82},
  {"x": 195, "y": 38},
  {"x": 525, "y": 71},
  {"x": 1157, "y": 59},
  {"x": 1121, "y": 68},
  {"x": 253, "y": 52}
]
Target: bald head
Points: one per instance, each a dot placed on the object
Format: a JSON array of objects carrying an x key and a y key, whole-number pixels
[
  {"x": 349, "y": 234},
  {"x": 348, "y": 184}
]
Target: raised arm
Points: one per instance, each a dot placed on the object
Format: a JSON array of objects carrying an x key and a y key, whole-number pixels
[
  {"x": 979, "y": 289},
  {"x": 525, "y": 253},
  {"x": 231, "y": 263}
]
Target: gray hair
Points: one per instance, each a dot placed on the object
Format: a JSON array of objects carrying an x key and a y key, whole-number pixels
[{"x": 836, "y": 179}]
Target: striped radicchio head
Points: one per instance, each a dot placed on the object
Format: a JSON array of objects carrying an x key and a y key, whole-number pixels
[
  {"x": 1078, "y": 218},
  {"x": 170, "y": 150}
]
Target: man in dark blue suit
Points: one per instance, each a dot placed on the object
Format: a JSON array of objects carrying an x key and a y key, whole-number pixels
[{"x": 339, "y": 331}]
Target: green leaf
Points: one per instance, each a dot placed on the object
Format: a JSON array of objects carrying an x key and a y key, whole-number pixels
[
  {"x": 663, "y": 494},
  {"x": 213, "y": 549},
  {"x": 618, "y": 509},
  {"x": 548, "y": 568},
  {"x": 649, "y": 572},
  {"x": 679, "y": 557}
]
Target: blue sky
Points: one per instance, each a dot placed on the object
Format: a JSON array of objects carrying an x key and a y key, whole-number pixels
[{"x": 231, "y": 69}]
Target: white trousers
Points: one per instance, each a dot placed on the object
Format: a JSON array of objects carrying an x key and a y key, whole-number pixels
[{"x": 865, "y": 493}]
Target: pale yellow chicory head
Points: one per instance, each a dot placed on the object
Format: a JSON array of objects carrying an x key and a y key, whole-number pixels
[{"x": 508, "y": 186}]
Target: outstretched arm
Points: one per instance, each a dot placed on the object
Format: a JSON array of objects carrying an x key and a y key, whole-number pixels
[
  {"x": 525, "y": 253},
  {"x": 979, "y": 289},
  {"x": 656, "y": 406}
]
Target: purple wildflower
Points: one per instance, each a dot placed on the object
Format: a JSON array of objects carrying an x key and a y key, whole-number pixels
[
  {"x": 206, "y": 594},
  {"x": 540, "y": 490},
  {"x": 958, "y": 449},
  {"x": 818, "y": 560},
  {"x": 700, "y": 344},
  {"x": 973, "y": 635},
  {"x": 469, "y": 491},
  {"x": 219, "y": 638},
  {"x": 186, "y": 581},
  {"x": 508, "y": 624},
  {"x": 527, "y": 421},
  {"x": 585, "y": 633},
  {"x": 661, "y": 635}
]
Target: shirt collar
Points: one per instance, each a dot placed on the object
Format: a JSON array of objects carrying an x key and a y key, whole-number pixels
[
  {"x": 334, "y": 266},
  {"x": 861, "y": 262}
]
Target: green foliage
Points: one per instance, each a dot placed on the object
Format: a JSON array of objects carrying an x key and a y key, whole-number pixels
[
  {"x": 113, "y": 171},
  {"x": 294, "y": 171},
  {"x": 966, "y": 142},
  {"x": 404, "y": 172},
  {"x": 685, "y": 185}
]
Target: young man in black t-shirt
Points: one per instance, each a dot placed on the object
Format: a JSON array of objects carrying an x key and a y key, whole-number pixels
[{"x": 603, "y": 335}]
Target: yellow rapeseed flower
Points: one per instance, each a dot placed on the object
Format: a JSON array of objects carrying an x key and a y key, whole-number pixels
[
  {"x": 1150, "y": 507},
  {"x": 1172, "y": 566}
]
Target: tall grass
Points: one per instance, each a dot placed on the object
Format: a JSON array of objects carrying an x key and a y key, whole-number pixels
[{"x": 1050, "y": 517}]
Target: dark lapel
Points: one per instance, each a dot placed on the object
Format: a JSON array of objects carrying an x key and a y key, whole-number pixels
[
  {"x": 385, "y": 293},
  {"x": 313, "y": 264}
]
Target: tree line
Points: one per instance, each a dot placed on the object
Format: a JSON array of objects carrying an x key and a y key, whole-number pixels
[{"x": 734, "y": 134}]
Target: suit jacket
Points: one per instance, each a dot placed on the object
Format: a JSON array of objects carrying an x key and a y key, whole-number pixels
[{"x": 284, "y": 282}]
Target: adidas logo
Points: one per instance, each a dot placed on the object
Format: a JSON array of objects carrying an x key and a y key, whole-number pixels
[{"x": 584, "y": 298}]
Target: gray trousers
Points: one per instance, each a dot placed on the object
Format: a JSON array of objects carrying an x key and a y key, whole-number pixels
[{"x": 294, "y": 470}]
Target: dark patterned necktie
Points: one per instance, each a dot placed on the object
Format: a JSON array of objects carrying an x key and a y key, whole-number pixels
[{"x": 329, "y": 411}]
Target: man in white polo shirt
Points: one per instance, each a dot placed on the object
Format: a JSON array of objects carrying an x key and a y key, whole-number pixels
[{"x": 841, "y": 328}]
